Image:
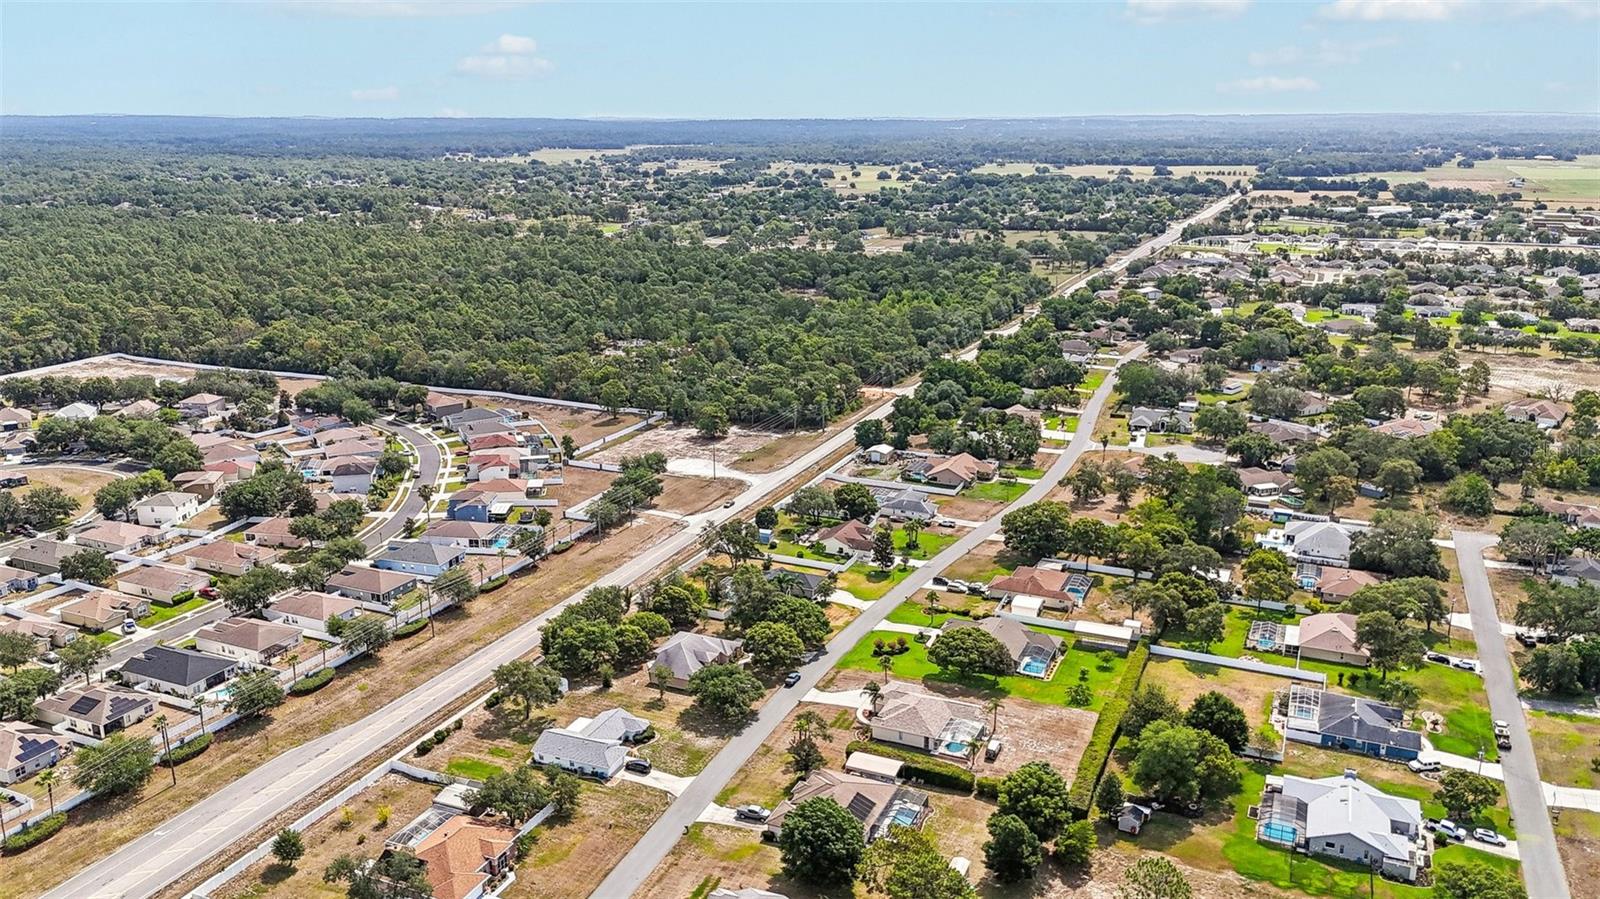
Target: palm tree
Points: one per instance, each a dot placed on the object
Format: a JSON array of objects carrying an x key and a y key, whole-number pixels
[
  {"x": 426, "y": 492},
  {"x": 886, "y": 662},
  {"x": 160, "y": 722},
  {"x": 48, "y": 780},
  {"x": 992, "y": 706}
]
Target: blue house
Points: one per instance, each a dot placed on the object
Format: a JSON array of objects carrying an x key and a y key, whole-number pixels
[
  {"x": 423, "y": 559},
  {"x": 1355, "y": 725}
]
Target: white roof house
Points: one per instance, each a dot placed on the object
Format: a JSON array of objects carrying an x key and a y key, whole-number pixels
[
  {"x": 595, "y": 746},
  {"x": 1323, "y": 542},
  {"x": 1347, "y": 818}
]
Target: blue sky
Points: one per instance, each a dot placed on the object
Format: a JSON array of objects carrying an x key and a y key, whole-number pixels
[{"x": 775, "y": 60}]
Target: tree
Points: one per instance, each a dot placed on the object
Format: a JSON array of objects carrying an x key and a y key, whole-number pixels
[
  {"x": 1109, "y": 796},
  {"x": 766, "y": 518},
  {"x": 529, "y": 684},
  {"x": 1036, "y": 530},
  {"x": 518, "y": 794},
  {"x": 883, "y": 547},
  {"x": 1254, "y": 450},
  {"x": 725, "y": 691},
  {"x": 1399, "y": 543},
  {"x": 89, "y": 566},
  {"x": 905, "y": 864},
  {"x": 288, "y": 847},
  {"x": 566, "y": 791},
  {"x": 250, "y": 592},
  {"x": 855, "y": 501},
  {"x": 1219, "y": 423},
  {"x": 1390, "y": 644},
  {"x": 1038, "y": 795},
  {"x": 47, "y": 508},
  {"x": 1267, "y": 577},
  {"x": 812, "y": 503},
  {"x": 254, "y": 694},
  {"x": 457, "y": 585},
  {"x": 804, "y": 756},
  {"x": 1012, "y": 852},
  {"x": 1475, "y": 880},
  {"x": 1469, "y": 494},
  {"x": 711, "y": 421},
  {"x": 1207, "y": 624},
  {"x": 366, "y": 634},
  {"x": 1464, "y": 794},
  {"x": 821, "y": 843},
  {"x": 733, "y": 538},
  {"x": 392, "y": 875},
  {"x": 1315, "y": 469},
  {"x": 1533, "y": 540},
  {"x": 1076, "y": 844},
  {"x": 870, "y": 433},
  {"x": 1398, "y": 477},
  {"x": 1178, "y": 762},
  {"x": 680, "y": 601},
  {"x": 1561, "y": 611},
  {"x": 966, "y": 651},
  {"x": 772, "y": 645},
  {"x": 1216, "y": 714},
  {"x": 17, "y": 650},
  {"x": 1155, "y": 877},
  {"x": 81, "y": 657},
  {"x": 118, "y": 764},
  {"x": 1149, "y": 705}
]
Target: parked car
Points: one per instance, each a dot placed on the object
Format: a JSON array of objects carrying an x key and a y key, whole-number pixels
[
  {"x": 209, "y": 592},
  {"x": 638, "y": 766},
  {"x": 1485, "y": 835},
  {"x": 992, "y": 751},
  {"x": 1419, "y": 766},
  {"x": 1437, "y": 657},
  {"x": 751, "y": 813},
  {"x": 1450, "y": 829},
  {"x": 944, "y": 522},
  {"x": 49, "y": 657},
  {"x": 940, "y": 580},
  {"x": 1527, "y": 639},
  {"x": 129, "y": 626},
  {"x": 1465, "y": 664},
  {"x": 1503, "y": 741},
  {"x": 978, "y": 589},
  {"x": 728, "y": 504},
  {"x": 791, "y": 678},
  {"x": 1501, "y": 728}
]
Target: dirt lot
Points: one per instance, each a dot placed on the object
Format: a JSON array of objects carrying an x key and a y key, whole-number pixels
[
  {"x": 124, "y": 369},
  {"x": 786, "y": 448},
  {"x": 580, "y": 484},
  {"x": 678, "y": 443},
  {"x": 329, "y": 838},
  {"x": 79, "y": 483},
  {"x": 985, "y": 563},
  {"x": 1578, "y": 839},
  {"x": 571, "y": 858},
  {"x": 1184, "y": 681},
  {"x": 967, "y": 509},
  {"x": 582, "y": 425},
  {"x": 360, "y": 689},
  {"x": 689, "y": 495}
]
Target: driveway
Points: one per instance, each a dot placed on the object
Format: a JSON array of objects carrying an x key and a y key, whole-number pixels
[
  {"x": 721, "y": 814},
  {"x": 1541, "y": 863},
  {"x": 659, "y": 780}
]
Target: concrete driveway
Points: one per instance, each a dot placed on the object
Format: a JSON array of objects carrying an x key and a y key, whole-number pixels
[
  {"x": 721, "y": 814},
  {"x": 660, "y": 780}
]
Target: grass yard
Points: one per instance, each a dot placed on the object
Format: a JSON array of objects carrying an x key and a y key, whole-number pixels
[
  {"x": 572, "y": 857},
  {"x": 1566, "y": 746},
  {"x": 913, "y": 665},
  {"x": 1253, "y": 692},
  {"x": 78, "y": 483},
  {"x": 1456, "y": 695},
  {"x": 160, "y": 613},
  {"x": 1578, "y": 840},
  {"x": 473, "y": 769},
  {"x": 929, "y": 544},
  {"x": 866, "y": 581},
  {"x": 985, "y": 563},
  {"x": 996, "y": 491}
]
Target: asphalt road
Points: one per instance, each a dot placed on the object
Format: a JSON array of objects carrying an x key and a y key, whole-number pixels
[
  {"x": 430, "y": 470},
  {"x": 1536, "y": 838},
  {"x": 149, "y": 862},
  {"x": 632, "y": 872}
]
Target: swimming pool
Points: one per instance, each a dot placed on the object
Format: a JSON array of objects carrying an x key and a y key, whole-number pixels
[
  {"x": 1034, "y": 665},
  {"x": 955, "y": 748},
  {"x": 905, "y": 816},
  {"x": 1278, "y": 832}
]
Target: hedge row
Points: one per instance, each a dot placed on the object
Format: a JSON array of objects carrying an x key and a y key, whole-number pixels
[
  {"x": 312, "y": 682},
  {"x": 1104, "y": 737},
  {"x": 409, "y": 628},
  {"x": 929, "y": 770},
  {"x": 187, "y": 751},
  {"x": 38, "y": 833},
  {"x": 439, "y": 736},
  {"x": 493, "y": 584}
]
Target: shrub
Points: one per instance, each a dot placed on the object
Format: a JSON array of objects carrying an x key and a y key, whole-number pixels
[
  {"x": 988, "y": 787},
  {"x": 494, "y": 699},
  {"x": 38, "y": 833},
  {"x": 1104, "y": 736},
  {"x": 312, "y": 682},
  {"x": 929, "y": 770},
  {"x": 187, "y": 751},
  {"x": 409, "y": 628},
  {"x": 493, "y": 584}
]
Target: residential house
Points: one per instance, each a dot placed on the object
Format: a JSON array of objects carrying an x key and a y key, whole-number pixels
[
  {"x": 230, "y": 558},
  {"x": 1286, "y": 432},
  {"x": 17, "y": 580},
  {"x": 165, "y": 509},
  {"x": 686, "y": 652},
  {"x": 877, "y": 805},
  {"x": 41, "y": 556},
  {"x": 1348, "y": 327},
  {"x": 1408, "y": 428},
  {"x": 1544, "y": 413},
  {"x": 474, "y": 429},
  {"x": 1343, "y": 817},
  {"x": 202, "y": 483},
  {"x": 312, "y": 424},
  {"x": 475, "y": 415},
  {"x": 1162, "y": 421},
  {"x": 494, "y": 464},
  {"x": 312, "y": 609},
  {"x": 249, "y": 640},
  {"x": 202, "y": 405},
  {"x": 1577, "y": 571},
  {"x": 420, "y": 558},
  {"x": 465, "y": 534},
  {"x": 140, "y": 409},
  {"x": 1320, "y": 542},
  {"x": 46, "y": 634},
  {"x": 26, "y": 750},
  {"x": 1264, "y": 484},
  {"x": 879, "y": 454},
  {"x": 1328, "y": 636},
  {"x": 373, "y": 585},
  {"x": 959, "y": 471},
  {"x": 908, "y": 716},
  {"x": 804, "y": 584},
  {"x": 483, "y": 442},
  {"x": 77, "y": 412},
  {"x": 96, "y": 711},
  {"x": 1034, "y": 653},
  {"x": 116, "y": 536},
  {"x": 597, "y": 747},
  {"x": 491, "y": 500},
  {"x": 1332, "y": 584},
  {"x": 371, "y": 446},
  {"x": 907, "y": 504},
  {"x": 350, "y": 474},
  {"x": 274, "y": 532},
  {"x": 846, "y": 539},
  {"x": 1077, "y": 350},
  {"x": 229, "y": 451},
  {"x": 327, "y": 438},
  {"x": 466, "y": 856},
  {"x": 182, "y": 672},
  {"x": 1311, "y": 404},
  {"x": 1047, "y": 585},
  {"x": 1367, "y": 311},
  {"x": 1337, "y": 721},
  {"x": 102, "y": 610},
  {"x": 14, "y": 419},
  {"x": 161, "y": 583},
  {"x": 443, "y": 405}
]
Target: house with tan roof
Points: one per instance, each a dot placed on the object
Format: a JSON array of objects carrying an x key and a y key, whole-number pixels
[
  {"x": 161, "y": 583},
  {"x": 248, "y": 640},
  {"x": 1034, "y": 653},
  {"x": 958, "y": 472},
  {"x": 846, "y": 539},
  {"x": 17, "y": 580},
  {"x": 686, "y": 652},
  {"x": 26, "y": 750},
  {"x": 230, "y": 558},
  {"x": 117, "y": 536},
  {"x": 909, "y": 716},
  {"x": 96, "y": 711},
  {"x": 371, "y": 584},
  {"x": 1544, "y": 413},
  {"x": 46, "y": 634},
  {"x": 273, "y": 532},
  {"x": 102, "y": 610},
  {"x": 1048, "y": 585},
  {"x": 140, "y": 409},
  {"x": 466, "y": 855},
  {"x": 1329, "y": 636},
  {"x": 1407, "y": 428},
  {"x": 165, "y": 509},
  {"x": 202, "y": 483},
  {"x": 312, "y": 609},
  {"x": 202, "y": 405},
  {"x": 439, "y": 405},
  {"x": 1338, "y": 584},
  {"x": 874, "y": 803},
  {"x": 13, "y": 418}
]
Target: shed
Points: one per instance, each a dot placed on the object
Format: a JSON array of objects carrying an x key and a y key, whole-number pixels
[{"x": 877, "y": 767}]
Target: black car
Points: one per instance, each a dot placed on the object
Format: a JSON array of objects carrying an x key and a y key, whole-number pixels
[
  {"x": 791, "y": 678},
  {"x": 638, "y": 766},
  {"x": 1437, "y": 657}
]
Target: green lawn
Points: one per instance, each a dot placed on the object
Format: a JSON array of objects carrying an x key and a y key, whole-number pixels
[
  {"x": 1062, "y": 423},
  {"x": 913, "y": 665},
  {"x": 912, "y": 611},
  {"x": 867, "y": 581},
  {"x": 1235, "y": 628},
  {"x": 1034, "y": 473},
  {"x": 159, "y": 613},
  {"x": 795, "y": 550},
  {"x": 999, "y": 491},
  {"x": 476, "y": 769},
  {"x": 1092, "y": 380},
  {"x": 928, "y": 545},
  {"x": 106, "y": 638}
]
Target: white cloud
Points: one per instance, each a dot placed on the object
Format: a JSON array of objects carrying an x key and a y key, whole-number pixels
[
  {"x": 1149, "y": 12},
  {"x": 1578, "y": 9},
  {"x": 376, "y": 94},
  {"x": 1392, "y": 10},
  {"x": 507, "y": 56},
  {"x": 1269, "y": 84},
  {"x": 1278, "y": 56},
  {"x": 1326, "y": 53},
  {"x": 400, "y": 9}
]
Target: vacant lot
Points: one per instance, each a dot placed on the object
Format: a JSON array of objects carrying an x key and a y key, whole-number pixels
[
  {"x": 688, "y": 495},
  {"x": 987, "y": 561},
  {"x": 581, "y": 425},
  {"x": 572, "y": 857},
  {"x": 396, "y": 797},
  {"x": 124, "y": 368},
  {"x": 1545, "y": 179},
  {"x": 578, "y": 484},
  {"x": 1578, "y": 839},
  {"x": 78, "y": 483},
  {"x": 1566, "y": 746},
  {"x": 1184, "y": 681},
  {"x": 678, "y": 443}
]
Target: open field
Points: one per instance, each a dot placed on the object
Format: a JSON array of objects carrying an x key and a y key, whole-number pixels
[
  {"x": 688, "y": 495},
  {"x": 400, "y": 798},
  {"x": 78, "y": 483},
  {"x": 1185, "y": 681},
  {"x": 1550, "y": 180},
  {"x": 578, "y": 484},
  {"x": 1578, "y": 839},
  {"x": 572, "y": 857},
  {"x": 360, "y": 689},
  {"x": 784, "y": 448},
  {"x": 1566, "y": 747},
  {"x": 582, "y": 425},
  {"x": 677, "y": 443}
]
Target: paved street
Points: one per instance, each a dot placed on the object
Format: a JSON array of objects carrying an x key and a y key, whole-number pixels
[
  {"x": 1536, "y": 839},
  {"x": 627, "y": 876}
]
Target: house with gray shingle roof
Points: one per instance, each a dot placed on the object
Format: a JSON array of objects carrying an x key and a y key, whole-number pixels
[
  {"x": 686, "y": 652},
  {"x": 595, "y": 746}
]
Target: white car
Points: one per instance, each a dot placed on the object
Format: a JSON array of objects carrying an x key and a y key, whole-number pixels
[
  {"x": 1502, "y": 729},
  {"x": 1419, "y": 766},
  {"x": 1485, "y": 835}
]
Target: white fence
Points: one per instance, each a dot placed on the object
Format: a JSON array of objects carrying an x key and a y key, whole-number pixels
[{"x": 1315, "y": 677}]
